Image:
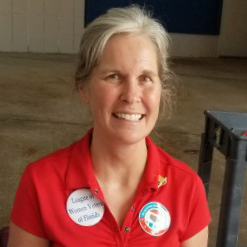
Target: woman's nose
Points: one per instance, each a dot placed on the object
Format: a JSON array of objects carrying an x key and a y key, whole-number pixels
[{"x": 131, "y": 92}]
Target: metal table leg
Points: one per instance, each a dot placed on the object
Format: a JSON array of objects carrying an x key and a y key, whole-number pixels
[
  {"x": 205, "y": 162},
  {"x": 231, "y": 204}
]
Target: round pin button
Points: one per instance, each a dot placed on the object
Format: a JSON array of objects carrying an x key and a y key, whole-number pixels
[
  {"x": 154, "y": 219},
  {"x": 84, "y": 208}
]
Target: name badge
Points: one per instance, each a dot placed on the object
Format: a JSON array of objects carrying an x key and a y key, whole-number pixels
[
  {"x": 154, "y": 219},
  {"x": 84, "y": 208}
]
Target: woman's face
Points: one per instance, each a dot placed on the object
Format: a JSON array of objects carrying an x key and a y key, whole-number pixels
[{"x": 124, "y": 89}]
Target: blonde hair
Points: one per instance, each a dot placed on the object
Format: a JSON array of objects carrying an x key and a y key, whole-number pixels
[{"x": 129, "y": 20}]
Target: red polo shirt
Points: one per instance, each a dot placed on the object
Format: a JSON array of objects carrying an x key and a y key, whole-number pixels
[{"x": 40, "y": 203}]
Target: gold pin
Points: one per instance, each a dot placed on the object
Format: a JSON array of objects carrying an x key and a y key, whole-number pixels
[{"x": 161, "y": 181}]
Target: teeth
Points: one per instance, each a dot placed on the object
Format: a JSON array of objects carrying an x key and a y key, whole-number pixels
[{"x": 130, "y": 117}]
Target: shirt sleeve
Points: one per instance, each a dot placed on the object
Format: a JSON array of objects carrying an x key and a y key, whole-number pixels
[
  {"x": 199, "y": 216},
  {"x": 26, "y": 210}
]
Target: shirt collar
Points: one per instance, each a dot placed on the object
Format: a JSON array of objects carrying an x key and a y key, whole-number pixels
[
  {"x": 80, "y": 170},
  {"x": 153, "y": 165}
]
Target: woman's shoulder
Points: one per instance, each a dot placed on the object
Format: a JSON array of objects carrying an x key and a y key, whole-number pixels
[
  {"x": 178, "y": 167},
  {"x": 57, "y": 161}
]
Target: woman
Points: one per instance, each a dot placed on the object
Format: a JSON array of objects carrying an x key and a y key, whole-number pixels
[{"x": 114, "y": 187}]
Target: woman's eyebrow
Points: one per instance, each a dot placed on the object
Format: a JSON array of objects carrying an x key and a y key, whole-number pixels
[
  {"x": 107, "y": 71},
  {"x": 117, "y": 71},
  {"x": 149, "y": 72}
]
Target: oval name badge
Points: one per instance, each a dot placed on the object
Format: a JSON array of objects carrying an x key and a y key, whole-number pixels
[
  {"x": 154, "y": 219},
  {"x": 84, "y": 208}
]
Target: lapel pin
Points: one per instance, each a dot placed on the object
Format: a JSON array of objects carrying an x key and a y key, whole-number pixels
[{"x": 161, "y": 181}]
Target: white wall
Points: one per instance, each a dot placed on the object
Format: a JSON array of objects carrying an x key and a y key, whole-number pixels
[
  {"x": 56, "y": 26},
  {"x": 41, "y": 25},
  {"x": 233, "y": 35},
  {"x": 190, "y": 45}
]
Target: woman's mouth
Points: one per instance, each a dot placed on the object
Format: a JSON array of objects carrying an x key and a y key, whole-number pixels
[{"x": 129, "y": 117}]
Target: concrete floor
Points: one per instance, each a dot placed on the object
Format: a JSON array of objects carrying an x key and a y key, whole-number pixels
[{"x": 40, "y": 112}]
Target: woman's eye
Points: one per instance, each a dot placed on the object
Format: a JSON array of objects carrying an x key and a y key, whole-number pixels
[
  {"x": 146, "y": 79},
  {"x": 114, "y": 76}
]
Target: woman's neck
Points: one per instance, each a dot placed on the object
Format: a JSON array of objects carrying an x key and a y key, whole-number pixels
[{"x": 118, "y": 162}]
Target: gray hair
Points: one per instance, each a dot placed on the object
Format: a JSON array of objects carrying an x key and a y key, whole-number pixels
[{"x": 129, "y": 20}]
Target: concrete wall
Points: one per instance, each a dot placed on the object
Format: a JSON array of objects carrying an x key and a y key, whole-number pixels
[
  {"x": 41, "y": 25},
  {"x": 55, "y": 26}
]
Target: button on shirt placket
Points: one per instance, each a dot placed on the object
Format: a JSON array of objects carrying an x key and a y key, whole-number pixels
[{"x": 126, "y": 230}]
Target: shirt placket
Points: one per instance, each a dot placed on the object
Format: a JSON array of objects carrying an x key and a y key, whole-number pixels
[
  {"x": 122, "y": 235},
  {"x": 132, "y": 213},
  {"x": 95, "y": 189},
  {"x": 127, "y": 225}
]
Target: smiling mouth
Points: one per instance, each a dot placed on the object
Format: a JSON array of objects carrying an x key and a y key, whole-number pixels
[{"x": 129, "y": 117}]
